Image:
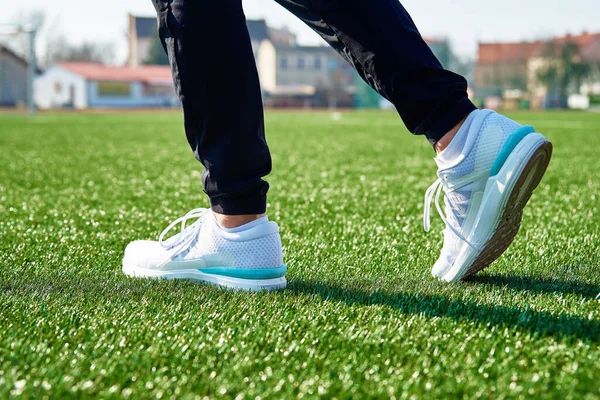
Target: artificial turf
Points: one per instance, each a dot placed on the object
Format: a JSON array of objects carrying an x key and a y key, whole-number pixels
[{"x": 361, "y": 317}]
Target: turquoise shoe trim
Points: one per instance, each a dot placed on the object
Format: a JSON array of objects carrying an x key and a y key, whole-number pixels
[
  {"x": 510, "y": 144},
  {"x": 246, "y": 273}
]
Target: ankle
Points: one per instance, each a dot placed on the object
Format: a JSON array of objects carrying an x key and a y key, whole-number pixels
[
  {"x": 233, "y": 221},
  {"x": 445, "y": 140}
]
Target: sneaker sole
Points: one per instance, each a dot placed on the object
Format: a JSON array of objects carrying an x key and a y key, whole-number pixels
[
  {"x": 508, "y": 191},
  {"x": 254, "y": 285}
]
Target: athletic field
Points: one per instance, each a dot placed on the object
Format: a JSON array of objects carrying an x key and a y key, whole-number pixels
[{"x": 361, "y": 317}]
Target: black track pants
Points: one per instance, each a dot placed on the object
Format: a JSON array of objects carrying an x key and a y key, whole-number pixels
[{"x": 216, "y": 79}]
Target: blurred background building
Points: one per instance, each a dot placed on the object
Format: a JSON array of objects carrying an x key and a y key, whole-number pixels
[
  {"x": 539, "y": 74},
  {"x": 93, "y": 85}
]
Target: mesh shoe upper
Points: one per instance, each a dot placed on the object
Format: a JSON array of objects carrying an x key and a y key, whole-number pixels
[{"x": 205, "y": 244}]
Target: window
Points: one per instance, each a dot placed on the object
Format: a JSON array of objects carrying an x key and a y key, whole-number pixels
[
  {"x": 301, "y": 62},
  {"x": 57, "y": 87},
  {"x": 283, "y": 63},
  {"x": 317, "y": 62},
  {"x": 159, "y": 91},
  {"x": 332, "y": 64},
  {"x": 116, "y": 89}
]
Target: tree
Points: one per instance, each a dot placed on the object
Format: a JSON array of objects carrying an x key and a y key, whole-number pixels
[
  {"x": 35, "y": 20},
  {"x": 157, "y": 55},
  {"x": 60, "y": 49},
  {"x": 444, "y": 52},
  {"x": 462, "y": 66},
  {"x": 564, "y": 71}
]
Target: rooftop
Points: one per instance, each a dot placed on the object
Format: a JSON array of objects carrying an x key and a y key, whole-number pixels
[
  {"x": 258, "y": 29},
  {"x": 589, "y": 46},
  {"x": 151, "y": 74},
  {"x": 146, "y": 27},
  {"x": 6, "y": 51}
]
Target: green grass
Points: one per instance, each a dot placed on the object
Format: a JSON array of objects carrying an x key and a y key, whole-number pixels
[{"x": 361, "y": 317}]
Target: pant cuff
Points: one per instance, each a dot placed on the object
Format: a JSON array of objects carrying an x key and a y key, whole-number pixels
[
  {"x": 447, "y": 119},
  {"x": 239, "y": 205}
]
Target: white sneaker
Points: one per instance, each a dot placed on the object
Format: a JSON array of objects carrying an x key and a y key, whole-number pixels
[
  {"x": 249, "y": 257},
  {"x": 485, "y": 189}
]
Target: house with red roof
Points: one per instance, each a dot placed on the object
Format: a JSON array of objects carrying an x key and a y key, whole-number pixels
[
  {"x": 92, "y": 85},
  {"x": 503, "y": 68}
]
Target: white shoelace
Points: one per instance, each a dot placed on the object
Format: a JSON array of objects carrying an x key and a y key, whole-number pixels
[
  {"x": 182, "y": 240},
  {"x": 435, "y": 190}
]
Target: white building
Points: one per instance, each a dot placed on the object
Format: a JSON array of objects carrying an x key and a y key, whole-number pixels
[{"x": 90, "y": 85}]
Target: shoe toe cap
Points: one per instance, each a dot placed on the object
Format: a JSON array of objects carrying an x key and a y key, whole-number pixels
[
  {"x": 143, "y": 254},
  {"x": 442, "y": 265}
]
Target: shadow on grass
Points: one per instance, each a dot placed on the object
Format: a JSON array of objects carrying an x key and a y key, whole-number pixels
[
  {"x": 541, "y": 323},
  {"x": 533, "y": 285}
]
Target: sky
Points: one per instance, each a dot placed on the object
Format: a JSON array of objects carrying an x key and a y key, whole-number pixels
[{"x": 464, "y": 22}]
